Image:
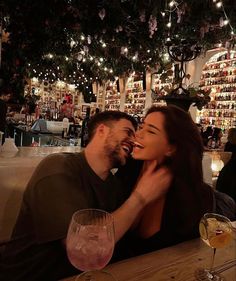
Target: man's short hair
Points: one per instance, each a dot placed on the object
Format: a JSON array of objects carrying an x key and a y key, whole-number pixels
[
  {"x": 105, "y": 117},
  {"x": 5, "y": 90}
]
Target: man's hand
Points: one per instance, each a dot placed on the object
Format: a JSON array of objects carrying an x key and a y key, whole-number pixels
[{"x": 152, "y": 184}]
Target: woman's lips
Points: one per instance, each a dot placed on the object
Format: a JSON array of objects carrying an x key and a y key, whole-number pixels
[{"x": 138, "y": 145}]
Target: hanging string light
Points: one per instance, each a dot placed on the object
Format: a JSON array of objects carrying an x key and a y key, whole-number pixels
[
  {"x": 226, "y": 21},
  {"x": 174, "y": 6}
]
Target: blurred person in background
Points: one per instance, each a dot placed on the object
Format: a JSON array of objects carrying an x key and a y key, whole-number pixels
[
  {"x": 226, "y": 181},
  {"x": 5, "y": 95},
  {"x": 206, "y": 135},
  {"x": 214, "y": 141},
  {"x": 230, "y": 145},
  {"x": 84, "y": 130}
]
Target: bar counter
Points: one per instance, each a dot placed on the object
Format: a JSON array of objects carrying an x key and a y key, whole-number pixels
[{"x": 177, "y": 263}]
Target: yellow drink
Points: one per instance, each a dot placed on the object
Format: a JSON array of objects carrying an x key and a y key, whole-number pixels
[
  {"x": 220, "y": 240},
  {"x": 215, "y": 233}
]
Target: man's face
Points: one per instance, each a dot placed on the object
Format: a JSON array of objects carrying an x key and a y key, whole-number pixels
[{"x": 119, "y": 142}]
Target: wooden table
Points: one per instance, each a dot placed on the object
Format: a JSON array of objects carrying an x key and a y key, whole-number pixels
[{"x": 176, "y": 263}]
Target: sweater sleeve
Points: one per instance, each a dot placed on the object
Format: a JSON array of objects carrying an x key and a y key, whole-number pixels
[{"x": 52, "y": 196}]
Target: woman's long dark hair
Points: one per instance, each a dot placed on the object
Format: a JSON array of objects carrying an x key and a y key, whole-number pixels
[
  {"x": 188, "y": 187},
  {"x": 182, "y": 132}
]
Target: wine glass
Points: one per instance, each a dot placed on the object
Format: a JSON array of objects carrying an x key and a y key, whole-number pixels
[
  {"x": 216, "y": 231},
  {"x": 90, "y": 243}
]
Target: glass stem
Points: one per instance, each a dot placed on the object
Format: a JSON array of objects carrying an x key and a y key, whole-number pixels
[
  {"x": 213, "y": 259},
  {"x": 89, "y": 277}
]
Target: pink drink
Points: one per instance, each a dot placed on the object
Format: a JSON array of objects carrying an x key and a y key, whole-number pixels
[{"x": 90, "y": 247}]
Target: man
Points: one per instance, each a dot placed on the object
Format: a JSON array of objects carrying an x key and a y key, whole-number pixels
[
  {"x": 64, "y": 183},
  {"x": 5, "y": 95}
]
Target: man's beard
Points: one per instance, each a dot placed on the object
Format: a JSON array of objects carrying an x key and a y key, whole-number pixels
[{"x": 112, "y": 150}]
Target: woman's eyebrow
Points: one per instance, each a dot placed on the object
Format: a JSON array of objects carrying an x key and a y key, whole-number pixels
[{"x": 153, "y": 126}]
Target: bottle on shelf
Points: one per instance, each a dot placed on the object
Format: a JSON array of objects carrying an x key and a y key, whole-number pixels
[{"x": 219, "y": 74}]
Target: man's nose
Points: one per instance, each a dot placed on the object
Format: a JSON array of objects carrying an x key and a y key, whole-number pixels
[{"x": 132, "y": 138}]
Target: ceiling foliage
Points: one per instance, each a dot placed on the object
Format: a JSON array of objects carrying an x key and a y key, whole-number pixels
[{"x": 87, "y": 40}]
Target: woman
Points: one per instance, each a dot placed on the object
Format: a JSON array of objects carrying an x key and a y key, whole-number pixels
[{"x": 169, "y": 137}]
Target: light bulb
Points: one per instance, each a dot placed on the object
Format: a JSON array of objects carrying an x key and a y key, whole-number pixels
[
  {"x": 226, "y": 22},
  {"x": 217, "y": 165}
]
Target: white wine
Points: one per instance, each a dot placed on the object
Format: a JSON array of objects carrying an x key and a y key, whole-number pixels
[{"x": 215, "y": 233}]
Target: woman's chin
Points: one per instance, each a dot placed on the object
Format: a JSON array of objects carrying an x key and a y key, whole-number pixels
[{"x": 136, "y": 156}]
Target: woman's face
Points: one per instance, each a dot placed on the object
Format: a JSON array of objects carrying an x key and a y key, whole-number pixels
[{"x": 151, "y": 139}]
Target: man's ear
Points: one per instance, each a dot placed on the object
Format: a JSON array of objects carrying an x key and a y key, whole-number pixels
[{"x": 102, "y": 130}]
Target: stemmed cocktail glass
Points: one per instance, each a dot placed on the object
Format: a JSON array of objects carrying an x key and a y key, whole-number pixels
[
  {"x": 90, "y": 243},
  {"x": 216, "y": 231}
]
